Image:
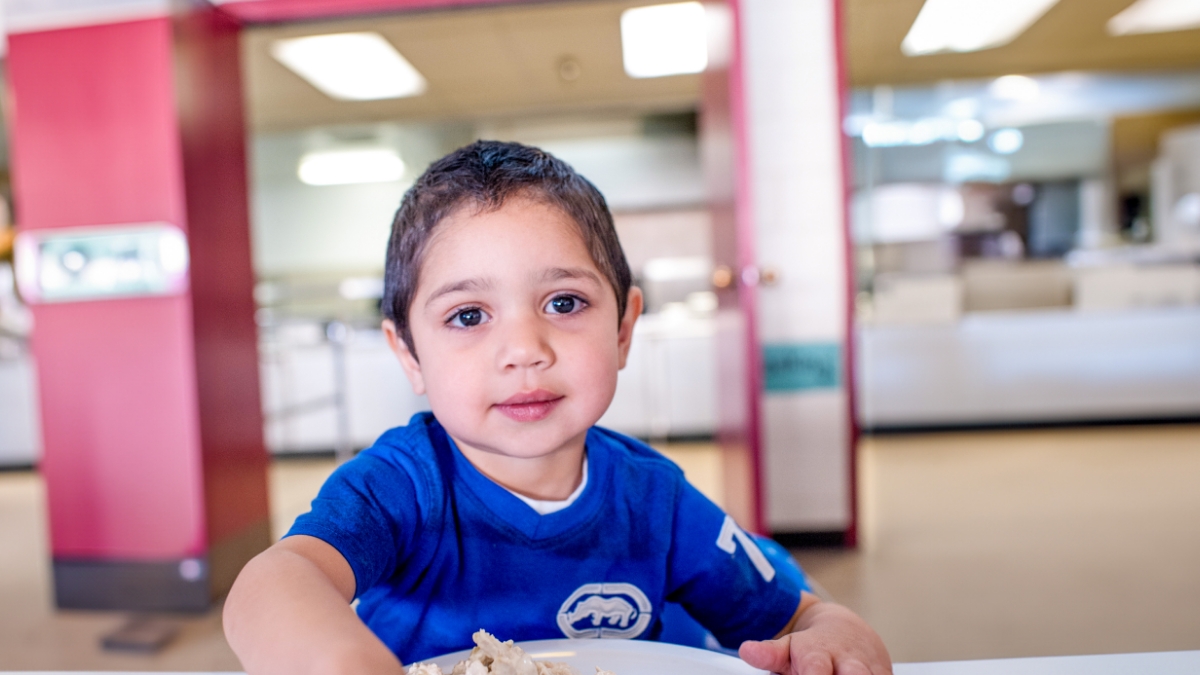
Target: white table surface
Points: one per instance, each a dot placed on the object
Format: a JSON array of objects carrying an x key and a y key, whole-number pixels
[{"x": 1153, "y": 663}]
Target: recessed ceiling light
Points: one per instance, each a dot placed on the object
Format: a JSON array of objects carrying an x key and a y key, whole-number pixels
[
  {"x": 964, "y": 108},
  {"x": 970, "y": 25},
  {"x": 1156, "y": 16},
  {"x": 350, "y": 66},
  {"x": 661, "y": 40},
  {"x": 343, "y": 167},
  {"x": 1014, "y": 88},
  {"x": 1006, "y": 141},
  {"x": 970, "y": 131}
]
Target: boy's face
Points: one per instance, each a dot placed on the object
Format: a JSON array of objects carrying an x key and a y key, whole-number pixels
[{"x": 516, "y": 331}]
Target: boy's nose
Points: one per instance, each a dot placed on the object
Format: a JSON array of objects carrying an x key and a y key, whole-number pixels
[{"x": 524, "y": 345}]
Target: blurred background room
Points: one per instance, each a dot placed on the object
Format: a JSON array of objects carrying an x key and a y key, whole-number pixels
[{"x": 922, "y": 282}]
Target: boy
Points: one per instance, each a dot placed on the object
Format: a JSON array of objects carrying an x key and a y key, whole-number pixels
[{"x": 509, "y": 303}]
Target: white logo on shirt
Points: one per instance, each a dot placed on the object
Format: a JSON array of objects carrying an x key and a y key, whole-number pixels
[
  {"x": 612, "y": 610},
  {"x": 725, "y": 541}
]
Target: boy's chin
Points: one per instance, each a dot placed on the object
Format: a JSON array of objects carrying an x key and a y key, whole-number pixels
[
  {"x": 513, "y": 453},
  {"x": 525, "y": 440}
]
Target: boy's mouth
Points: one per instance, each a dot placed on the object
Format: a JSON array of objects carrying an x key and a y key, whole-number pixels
[{"x": 529, "y": 406}]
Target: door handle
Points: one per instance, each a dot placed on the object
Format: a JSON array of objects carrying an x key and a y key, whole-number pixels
[{"x": 752, "y": 275}]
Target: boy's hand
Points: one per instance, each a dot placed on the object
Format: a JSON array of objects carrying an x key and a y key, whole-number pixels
[{"x": 828, "y": 639}]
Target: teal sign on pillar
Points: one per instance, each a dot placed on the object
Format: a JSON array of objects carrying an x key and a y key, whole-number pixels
[{"x": 802, "y": 366}]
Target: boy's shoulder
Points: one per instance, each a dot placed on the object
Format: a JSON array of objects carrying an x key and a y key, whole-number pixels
[
  {"x": 411, "y": 450},
  {"x": 414, "y": 438},
  {"x": 633, "y": 453}
]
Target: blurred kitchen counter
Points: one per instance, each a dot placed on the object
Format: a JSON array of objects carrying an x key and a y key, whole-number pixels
[{"x": 1053, "y": 365}]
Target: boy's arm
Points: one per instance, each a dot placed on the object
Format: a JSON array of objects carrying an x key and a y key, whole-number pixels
[
  {"x": 821, "y": 639},
  {"x": 289, "y": 613}
]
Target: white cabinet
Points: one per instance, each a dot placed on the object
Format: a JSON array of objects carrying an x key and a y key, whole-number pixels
[
  {"x": 669, "y": 385},
  {"x": 297, "y": 370}
]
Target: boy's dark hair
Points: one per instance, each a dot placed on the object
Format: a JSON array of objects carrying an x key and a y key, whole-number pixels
[{"x": 485, "y": 175}]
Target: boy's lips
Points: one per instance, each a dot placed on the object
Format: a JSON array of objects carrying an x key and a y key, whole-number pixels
[{"x": 529, "y": 406}]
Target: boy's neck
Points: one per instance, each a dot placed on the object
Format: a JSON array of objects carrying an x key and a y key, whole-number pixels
[{"x": 551, "y": 477}]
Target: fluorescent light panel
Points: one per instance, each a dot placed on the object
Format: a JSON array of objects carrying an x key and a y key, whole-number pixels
[
  {"x": 893, "y": 133},
  {"x": 1156, "y": 16},
  {"x": 970, "y": 25},
  {"x": 350, "y": 66},
  {"x": 661, "y": 40},
  {"x": 344, "y": 167}
]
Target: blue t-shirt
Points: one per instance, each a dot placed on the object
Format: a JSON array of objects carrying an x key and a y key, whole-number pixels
[{"x": 439, "y": 550}]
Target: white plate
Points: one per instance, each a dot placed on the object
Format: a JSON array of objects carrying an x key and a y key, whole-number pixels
[{"x": 624, "y": 657}]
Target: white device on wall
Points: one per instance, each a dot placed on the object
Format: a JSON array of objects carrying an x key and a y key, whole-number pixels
[{"x": 101, "y": 262}]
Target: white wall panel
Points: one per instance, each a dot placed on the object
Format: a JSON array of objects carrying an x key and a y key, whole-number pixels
[{"x": 807, "y": 491}]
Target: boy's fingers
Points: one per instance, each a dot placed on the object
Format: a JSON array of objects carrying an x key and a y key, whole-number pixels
[
  {"x": 769, "y": 655},
  {"x": 813, "y": 663},
  {"x": 852, "y": 667}
]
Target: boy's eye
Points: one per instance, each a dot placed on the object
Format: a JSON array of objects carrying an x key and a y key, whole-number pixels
[
  {"x": 564, "y": 304},
  {"x": 466, "y": 318}
]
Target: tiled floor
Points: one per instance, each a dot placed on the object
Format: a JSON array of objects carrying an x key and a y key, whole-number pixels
[
  {"x": 974, "y": 546},
  {"x": 1026, "y": 543},
  {"x": 34, "y": 637}
]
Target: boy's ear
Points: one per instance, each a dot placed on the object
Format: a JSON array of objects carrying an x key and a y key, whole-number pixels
[
  {"x": 633, "y": 309},
  {"x": 405, "y": 356}
]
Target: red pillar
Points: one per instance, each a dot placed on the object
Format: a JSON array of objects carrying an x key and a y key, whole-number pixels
[{"x": 154, "y": 461}]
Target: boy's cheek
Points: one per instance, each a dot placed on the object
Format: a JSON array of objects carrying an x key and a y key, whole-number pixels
[
  {"x": 599, "y": 381},
  {"x": 452, "y": 388}
]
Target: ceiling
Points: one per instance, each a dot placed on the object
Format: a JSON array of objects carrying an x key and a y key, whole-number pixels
[
  {"x": 480, "y": 63},
  {"x": 1071, "y": 36},
  {"x": 508, "y": 61}
]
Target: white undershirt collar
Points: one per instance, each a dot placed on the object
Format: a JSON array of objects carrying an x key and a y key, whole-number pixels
[{"x": 547, "y": 506}]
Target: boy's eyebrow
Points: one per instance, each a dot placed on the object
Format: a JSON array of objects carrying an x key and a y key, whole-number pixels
[
  {"x": 473, "y": 284},
  {"x": 560, "y": 273}
]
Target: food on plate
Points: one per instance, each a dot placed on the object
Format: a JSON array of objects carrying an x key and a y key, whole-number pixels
[{"x": 493, "y": 657}]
